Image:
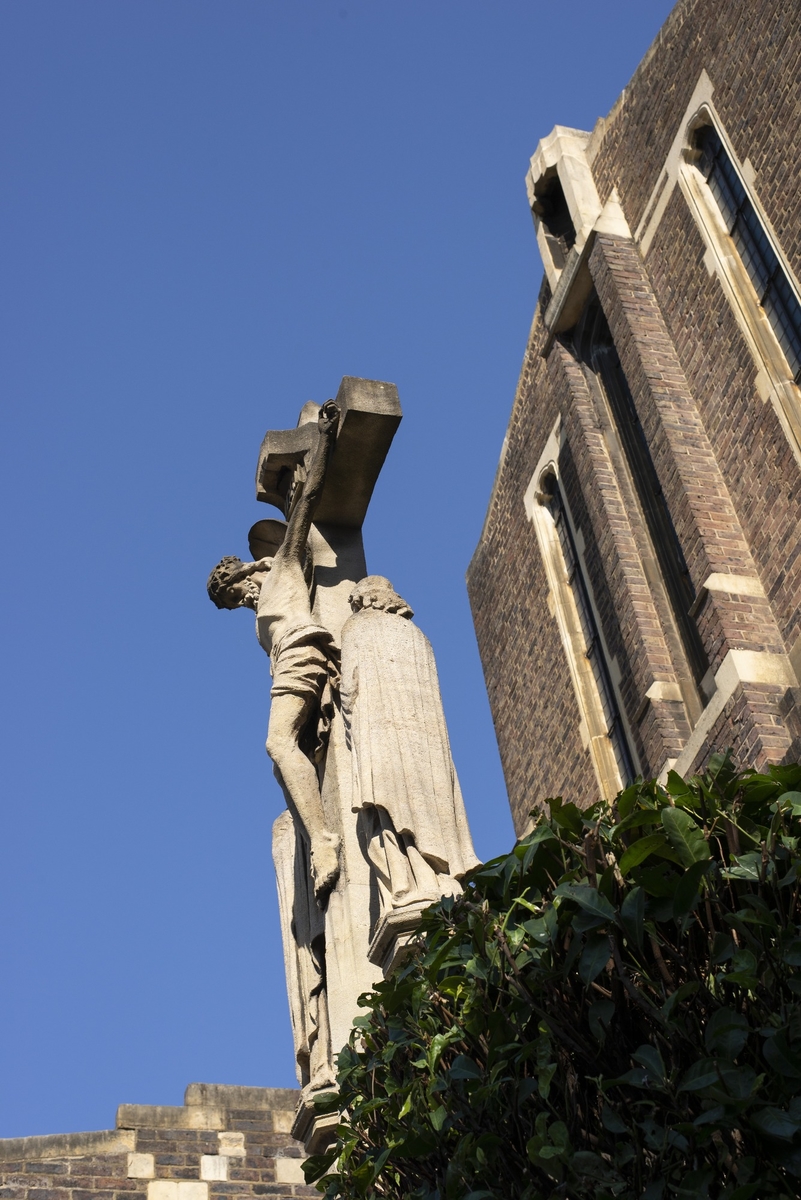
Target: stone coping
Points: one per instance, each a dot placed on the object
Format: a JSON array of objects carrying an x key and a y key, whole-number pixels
[
  {"x": 66, "y": 1145},
  {"x": 206, "y": 1106},
  {"x": 232, "y": 1096}
]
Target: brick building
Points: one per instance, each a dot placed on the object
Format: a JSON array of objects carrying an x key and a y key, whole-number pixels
[{"x": 636, "y": 586}]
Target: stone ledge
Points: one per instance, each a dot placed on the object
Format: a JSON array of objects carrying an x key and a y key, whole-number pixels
[
  {"x": 67, "y": 1145},
  {"x": 393, "y": 935},
  {"x": 315, "y": 1130},
  {"x": 166, "y": 1116},
  {"x": 232, "y": 1096}
]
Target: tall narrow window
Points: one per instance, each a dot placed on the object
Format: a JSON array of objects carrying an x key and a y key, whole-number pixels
[
  {"x": 774, "y": 290},
  {"x": 595, "y": 347},
  {"x": 593, "y": 647}
]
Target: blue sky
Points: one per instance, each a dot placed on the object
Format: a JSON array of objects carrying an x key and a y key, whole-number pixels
[{"x": 211, "y": 212}]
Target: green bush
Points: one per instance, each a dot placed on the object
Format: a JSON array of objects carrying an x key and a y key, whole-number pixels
[{"x": 612, "y": 1010}]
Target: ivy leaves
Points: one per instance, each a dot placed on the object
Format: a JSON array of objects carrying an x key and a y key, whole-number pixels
[{"x": 612, "y": 1010}]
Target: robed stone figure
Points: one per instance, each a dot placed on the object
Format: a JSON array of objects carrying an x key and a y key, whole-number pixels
[{"x": 404, "y": 782}]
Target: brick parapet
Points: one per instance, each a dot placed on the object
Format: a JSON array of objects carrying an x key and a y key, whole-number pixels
[{"x": 245, "y": 1152}]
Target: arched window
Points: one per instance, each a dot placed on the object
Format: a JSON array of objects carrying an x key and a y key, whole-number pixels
[
  {"x": 592, "y": 646},
  {"x": 774, "y": 289}
]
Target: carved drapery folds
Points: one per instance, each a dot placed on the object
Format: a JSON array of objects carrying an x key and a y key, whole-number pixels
[{"x": 404, "y": 781}]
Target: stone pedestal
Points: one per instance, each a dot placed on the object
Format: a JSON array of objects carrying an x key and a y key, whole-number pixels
[
  {"x": 393, "y": 936},
  {"x": 316, "y": 1130}
]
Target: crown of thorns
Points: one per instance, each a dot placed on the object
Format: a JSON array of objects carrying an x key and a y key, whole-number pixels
[{"x": 221, "y": 578}]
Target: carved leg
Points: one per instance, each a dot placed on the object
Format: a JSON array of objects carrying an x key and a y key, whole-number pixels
[{"x": 289, "y": 716}]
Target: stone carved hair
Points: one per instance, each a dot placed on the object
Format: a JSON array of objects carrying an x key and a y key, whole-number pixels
[
  {"x": 222, "y": 575},
  {"x": 377, "y": 592}
]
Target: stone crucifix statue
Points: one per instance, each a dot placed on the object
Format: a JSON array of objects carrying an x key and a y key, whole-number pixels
[
  {"x": 303, "y": 658},
  {"x": 375, "y": 828}
]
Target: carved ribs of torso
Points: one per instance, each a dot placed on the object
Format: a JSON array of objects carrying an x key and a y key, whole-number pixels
[{"x": 283, "y": 603}]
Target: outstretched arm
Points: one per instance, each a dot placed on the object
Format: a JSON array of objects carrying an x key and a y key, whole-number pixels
[{"x": 300, "y": 520}]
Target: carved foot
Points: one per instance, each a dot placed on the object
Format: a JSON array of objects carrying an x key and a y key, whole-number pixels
[{"x": 324, "y": 863}]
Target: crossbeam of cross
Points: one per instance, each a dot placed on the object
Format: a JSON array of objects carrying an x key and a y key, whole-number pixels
[{"x": 371, "y": 413}]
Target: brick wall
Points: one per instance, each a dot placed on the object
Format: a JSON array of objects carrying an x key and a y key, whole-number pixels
[
  {"x": 224, "y": 1142},
  {"x": 519, "y": 642}
]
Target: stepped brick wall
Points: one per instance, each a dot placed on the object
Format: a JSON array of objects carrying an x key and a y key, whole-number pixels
[{"x": 224, "y": 1142}]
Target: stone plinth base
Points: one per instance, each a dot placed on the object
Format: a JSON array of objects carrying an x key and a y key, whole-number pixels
[
  {"x": 394, "y": 934},
  {"x": 314, "y": 1129}
]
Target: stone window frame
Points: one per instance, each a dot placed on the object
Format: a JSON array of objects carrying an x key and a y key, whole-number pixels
[
  {"x": 774, "y": 380},
  {"x": 593, "y": 726},
  {"x": 768, "y": 274},
  {"x": 563, "y": 155}
]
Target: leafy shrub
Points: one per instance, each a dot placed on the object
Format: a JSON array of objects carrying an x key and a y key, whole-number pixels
[{"x": 612, "y": 1010}]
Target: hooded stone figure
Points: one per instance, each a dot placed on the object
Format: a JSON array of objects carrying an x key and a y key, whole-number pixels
[{"x": 404, "y": 780}]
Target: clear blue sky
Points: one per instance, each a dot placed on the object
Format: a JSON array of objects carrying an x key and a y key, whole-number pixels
[{"x": 211, "y": 211}]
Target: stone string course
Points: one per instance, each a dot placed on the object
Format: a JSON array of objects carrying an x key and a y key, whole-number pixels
[{"x": 224, "y": 1142}]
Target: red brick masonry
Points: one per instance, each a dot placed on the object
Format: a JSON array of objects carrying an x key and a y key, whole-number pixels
[{"x": 224, "y": 1142}]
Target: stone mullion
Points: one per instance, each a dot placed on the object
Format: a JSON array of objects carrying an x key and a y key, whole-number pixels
[{"x": 659, "y": 724}]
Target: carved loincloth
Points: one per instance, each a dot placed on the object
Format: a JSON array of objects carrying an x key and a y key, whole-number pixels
[{"x": 305, "y": 662}]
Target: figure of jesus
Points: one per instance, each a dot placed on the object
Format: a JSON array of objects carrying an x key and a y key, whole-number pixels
[{"x": 303, "y": 658}]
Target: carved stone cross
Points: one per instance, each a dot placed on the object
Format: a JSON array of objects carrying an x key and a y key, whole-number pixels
[{"x": 371, "y": 413}]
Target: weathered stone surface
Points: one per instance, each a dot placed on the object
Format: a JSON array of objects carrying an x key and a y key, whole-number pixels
[
  {"x": 233, "y": 1097},
  {"x": 141, "y": 1166},
  {"x": 163, "y": 1116},
  {"x": 65, "y": 1145},
  {"x": 371, "y": 414},
  {"x": 404, "y": 782},
  {"x": 346, "y": 853}
]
